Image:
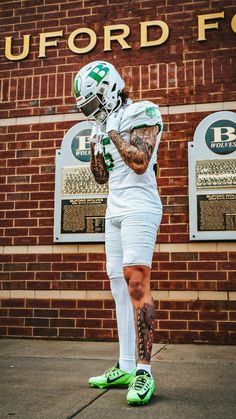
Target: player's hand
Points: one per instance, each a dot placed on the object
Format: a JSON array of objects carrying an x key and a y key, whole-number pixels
[
  {"x": 95, "y": 135},
  {"x": 113, "y": 121}
]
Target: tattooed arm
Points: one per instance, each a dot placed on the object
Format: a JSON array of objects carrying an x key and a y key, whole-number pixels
[
  {"x": 98, "y": 167},
  {"x": 138, "y": 153}
]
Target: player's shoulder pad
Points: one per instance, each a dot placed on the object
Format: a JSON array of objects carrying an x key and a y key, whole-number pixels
[{"x": 143, "y": 113}]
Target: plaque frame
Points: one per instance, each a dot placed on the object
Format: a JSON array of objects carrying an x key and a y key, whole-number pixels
[
  {"x": 199, "y": 151},
  {"x": 66, "y": 159}
]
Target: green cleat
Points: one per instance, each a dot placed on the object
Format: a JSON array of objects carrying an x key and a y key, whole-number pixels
[
  {"x": 113, "y": 377},
  {"x": 141, "y": 388}
]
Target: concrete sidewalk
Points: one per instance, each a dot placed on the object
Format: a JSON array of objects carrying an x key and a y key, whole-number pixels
[{"x": 42, "y": 379}]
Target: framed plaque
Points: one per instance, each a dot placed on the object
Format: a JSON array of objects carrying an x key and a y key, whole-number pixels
[
  {"x": 80, "y": 202},
  {"x": 212, "y": 178}
]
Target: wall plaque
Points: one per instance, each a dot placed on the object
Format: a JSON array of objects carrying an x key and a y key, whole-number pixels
[
  {"x": 80, "y": 202},
  {"x": 212, "y": 178}
]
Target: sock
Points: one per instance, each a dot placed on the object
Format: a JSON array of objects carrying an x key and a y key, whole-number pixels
[
  {"x": 127, "y": 365},
  {"x": 125, "y": 324},
  {"x": 145, "y": 367}
]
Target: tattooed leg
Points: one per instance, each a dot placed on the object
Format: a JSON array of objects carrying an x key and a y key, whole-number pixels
[
  {"x": 145, "y": 325},
  {"x": 138, "y": 279}
]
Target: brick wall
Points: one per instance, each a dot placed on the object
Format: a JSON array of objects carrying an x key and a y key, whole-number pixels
[
  {"x": 63, "y": 291},
  {"x": 195, "y": 275}
]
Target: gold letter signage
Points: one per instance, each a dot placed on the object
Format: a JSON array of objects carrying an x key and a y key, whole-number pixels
[
  {"x": 202, "y": 25},
  {"x": 205, "y": 22},
  {"x": 25, "y": 51}
]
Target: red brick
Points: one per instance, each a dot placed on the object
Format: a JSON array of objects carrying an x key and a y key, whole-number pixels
[
  {"x": 88, "y": 323},
  {"x": 175, "y": 325},
  {"x": 183, "y": 315},
  {"x": 202, "y": 266},
  {"x": 183, "y": 336},
  {"x": 62, "y": 322},
  {"x": 8, "y": 321},
  {"x": 201, "y": 325},
  {"x": 43, "y": 303},
  {"x": 71, "y": 333},
  {"x": 63, "y": 303},
  {"x": 91, "y": 266},
  {"x": 45, "y": 332},
  {"x": 64, "y": 266},
  {"x": 38, "y": 322},
  {"x": 183, "y": 275},
  {"x": 98, "y": 314},
  {"x": 172, "y": 266},
  {"x": 212, "y": 276},
  {"x": 213, "y": 256},
  {"x": 22, "y": 312},
  {"x": 14, "y": 302},
  {"x": 230, "y": 326},
  {"x": 19, "y": 331},
  {"x": 72, "y": 276},
  {"x": 72, "y": 313},
  {"x": 173, "y": 305},
  {"x": 184, "y": 256},
  {"x": 228, "y": 266},
  {"x": 97, "y": 334},
  {"x": 213, "y": 315},
  {"x": 202, "y": 285},
  {"x": 161, "y": 314},
  {"x": 226, "y": 285},
  {"x": 74, "y": 257},
  {"x": 97, "y": 276},
  {"x": 90, "y": 304},
  {"x": 214, "y": 337}
]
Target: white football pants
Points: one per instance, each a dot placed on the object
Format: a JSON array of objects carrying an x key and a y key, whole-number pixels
[{"x": 130, "y": 241}]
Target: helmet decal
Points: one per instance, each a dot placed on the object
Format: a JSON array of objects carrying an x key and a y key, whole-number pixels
[
  {"x": 76, "y": 87},
  {"x": 98, "y": 73}
]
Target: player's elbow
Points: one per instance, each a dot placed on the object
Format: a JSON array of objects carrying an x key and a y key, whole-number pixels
[{"x": 140, "y": 169}]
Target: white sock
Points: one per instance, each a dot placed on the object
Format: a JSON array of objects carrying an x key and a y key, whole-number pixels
[
  {"x": 125, "y": 324},
  {"x": 145, "y": 367},
  {"x": 127, "y": 365}
]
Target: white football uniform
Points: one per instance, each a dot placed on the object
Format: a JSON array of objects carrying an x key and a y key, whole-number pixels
[
  {"x": 133, "y": 216},
  {"x": 129, "y": 192}
]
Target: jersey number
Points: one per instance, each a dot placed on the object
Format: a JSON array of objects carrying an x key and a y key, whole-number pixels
[{"x": 107, "y": 156}]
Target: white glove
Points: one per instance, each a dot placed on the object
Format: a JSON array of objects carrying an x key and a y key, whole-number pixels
[
  {"x": 94, "y": 137},
  {"x": 113, "y": 121}
]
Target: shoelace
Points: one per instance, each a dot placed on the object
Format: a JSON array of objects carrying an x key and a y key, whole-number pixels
[
  {"x": 112, "y": 370},
  {"x": 140, "y": 382}
]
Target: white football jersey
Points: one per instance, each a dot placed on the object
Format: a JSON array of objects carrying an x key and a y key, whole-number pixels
[{"x": 129, "y": 192}]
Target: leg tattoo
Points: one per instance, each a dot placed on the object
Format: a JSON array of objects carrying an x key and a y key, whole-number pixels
[{"x": 145, "y": 324}]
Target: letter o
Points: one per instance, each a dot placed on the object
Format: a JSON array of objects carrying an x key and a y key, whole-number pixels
[{"x": 89, "y": 47}]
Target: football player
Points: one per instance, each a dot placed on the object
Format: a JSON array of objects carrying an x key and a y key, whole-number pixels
[{"x": 124, "y": 143}]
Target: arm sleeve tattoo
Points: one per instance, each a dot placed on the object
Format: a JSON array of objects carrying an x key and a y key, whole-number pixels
[
  {"x": 138, "y": 153},
  {"x": 98, "y": 167}
]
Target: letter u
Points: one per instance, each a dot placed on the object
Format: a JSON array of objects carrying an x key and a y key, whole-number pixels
[{"x": 8, "y": 48}]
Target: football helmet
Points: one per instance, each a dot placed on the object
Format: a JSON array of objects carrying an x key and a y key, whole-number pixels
[{"x": 96, "y": 88}]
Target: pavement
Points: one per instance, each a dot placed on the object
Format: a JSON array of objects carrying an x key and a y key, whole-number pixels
[{"x": 46, "y": 379}]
